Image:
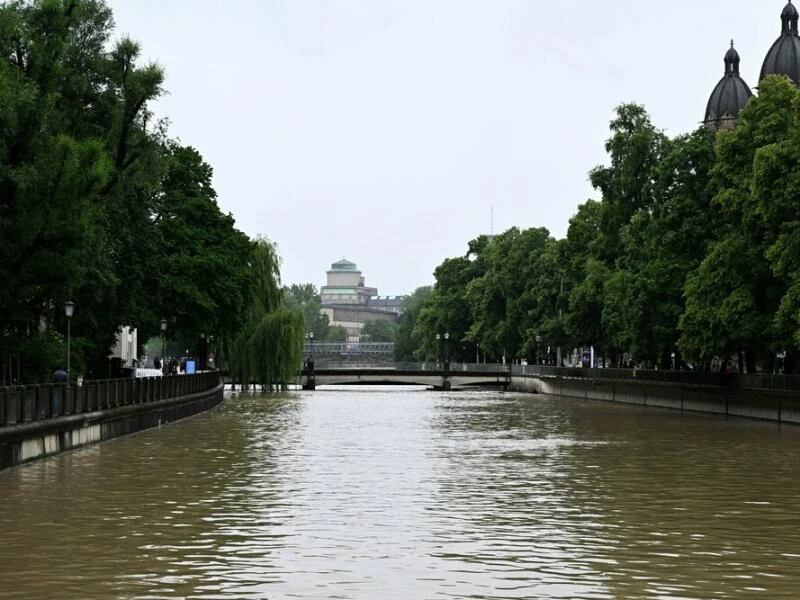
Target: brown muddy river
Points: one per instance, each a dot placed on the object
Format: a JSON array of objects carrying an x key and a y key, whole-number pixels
[{"x": 398, "y": 493}]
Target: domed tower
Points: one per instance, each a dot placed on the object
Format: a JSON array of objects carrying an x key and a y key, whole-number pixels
[
  {"x": 783, "y": 57},
  {"x": 730, "y": 95}
]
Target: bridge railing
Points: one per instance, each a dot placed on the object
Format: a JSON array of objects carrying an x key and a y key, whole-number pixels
[
  {"x": 478, "y": 367},
  {"x": 321, "y": 349},
  {"x": 25, "y": 404},
  {"x": 432, "y": 366}
]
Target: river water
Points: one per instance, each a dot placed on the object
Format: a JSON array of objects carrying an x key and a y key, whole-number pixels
[{"x": 387, "y": 493}]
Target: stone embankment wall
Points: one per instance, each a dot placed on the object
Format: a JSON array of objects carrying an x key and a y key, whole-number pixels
[
  {"x": 770, "y": 405},
  {"x": 40, "y": 422}
]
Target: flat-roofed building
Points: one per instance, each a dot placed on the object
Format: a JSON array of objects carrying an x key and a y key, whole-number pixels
[{"x": 349, "y": 303}]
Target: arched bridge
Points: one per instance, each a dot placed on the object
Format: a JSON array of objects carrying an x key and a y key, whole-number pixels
[{"x": 442, "y": 376}]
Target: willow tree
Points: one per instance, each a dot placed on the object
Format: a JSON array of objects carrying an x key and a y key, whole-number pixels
[{"x": 268, "y": 348}]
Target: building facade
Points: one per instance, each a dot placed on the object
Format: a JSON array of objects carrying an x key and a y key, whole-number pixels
[
  {"x": 349, "y": 303},
  {"x": 124, "y": 351}
]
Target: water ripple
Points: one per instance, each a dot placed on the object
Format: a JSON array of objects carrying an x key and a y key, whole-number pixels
[{"x": 387, "y": 493}]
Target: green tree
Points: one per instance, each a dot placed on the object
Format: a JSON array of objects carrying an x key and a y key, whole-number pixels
[
  {"x": 502, "y": 300},
  {"x": 634, "y": 150},
  {"x": 336, "y": 333},
  {"x": 447, "y": 310},
  {"x": 202, "y": 264},
  {"x": 376, "y": 330},
  {"x": 733, "y": 301},
  {"x": 307, "y": 298},
  {"x": 662, "y": 246},
  {"x": 268, "y": 347},
  {"x": 585, "y": 278},
  {"x": 404, "y": 348},
  {"x": 75, "y": 146}
]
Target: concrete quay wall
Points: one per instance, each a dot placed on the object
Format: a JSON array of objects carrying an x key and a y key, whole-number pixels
[
  {"x": 26, "y": 441},
  {"x": 782, "y": 407}
]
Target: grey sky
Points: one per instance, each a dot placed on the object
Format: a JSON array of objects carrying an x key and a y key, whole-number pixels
[{"x": 384, "y": 131}]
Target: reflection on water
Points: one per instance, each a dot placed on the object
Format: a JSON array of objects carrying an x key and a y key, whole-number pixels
[{"x": 394, "y": 493}]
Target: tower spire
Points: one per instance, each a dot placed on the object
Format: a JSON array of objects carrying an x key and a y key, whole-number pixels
[
  {"x": 732, "y": 61},
  {"x": 789, "y": 18},
  {"x": 783, "y": 57}
]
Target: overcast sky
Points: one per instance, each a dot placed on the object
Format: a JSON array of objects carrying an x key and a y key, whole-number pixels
[{"x": 389, "y": 131}]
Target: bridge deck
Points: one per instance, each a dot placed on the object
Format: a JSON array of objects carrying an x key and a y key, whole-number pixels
[{"x": 428, "y": 374}]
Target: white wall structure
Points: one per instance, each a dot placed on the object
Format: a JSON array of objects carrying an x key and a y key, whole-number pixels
[{"x": 125, "y": 346}]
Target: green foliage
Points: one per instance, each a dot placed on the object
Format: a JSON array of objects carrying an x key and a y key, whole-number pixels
[
  {"x": 45, "y": 350},
  {"x": 409, "y": 315},
  {"x": 203, "y": 260},
  {"x": 662, "y": 247},
  {"x": 507, "y": 303},
  {"x": 740, "y": 298},
  {"x": 446, "y": 309},
  {"x": 584, "y": 277},
  {"x": 692, "y": 249},
  {"x": 268, "y": 347},
  {"x": 634, "y": 149},
  {"x": 692, "y": 246},
  {"x": 336, "y": 333},
  {"x": 73, "y": 142},
  {"x": 99, "y": 206},
  {"x": 308, "y": 300},
  {"x": 375, "y": 330}
]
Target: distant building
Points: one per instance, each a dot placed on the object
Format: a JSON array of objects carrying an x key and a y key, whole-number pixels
[
  {"x": 783, "y": 57},
  {"x": 346, "y": 285},
  {"x": 729, "y": 96},
  {"x": 731, "y": 93},
  {"x": 349, "y": 303}
]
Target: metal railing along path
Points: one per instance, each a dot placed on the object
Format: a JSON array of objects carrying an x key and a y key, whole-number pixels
[
  {"x": 745, "y": 381},
  {"x": 26, "y": 404}
]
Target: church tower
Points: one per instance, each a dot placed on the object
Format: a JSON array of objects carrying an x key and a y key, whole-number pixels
[
  {"x": 783, "y": 57},
  {"x": 729, "y": 96}
]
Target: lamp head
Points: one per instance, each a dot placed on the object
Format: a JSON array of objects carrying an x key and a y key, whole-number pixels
[{"x": 69, "y": 308}]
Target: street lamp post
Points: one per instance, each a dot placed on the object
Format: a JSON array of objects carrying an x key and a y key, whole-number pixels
[
  {"x": 438, "y": 347},
  {"x": 69, "y": 310},
  {"x": 446, "y": 363},
  {"x": 310, "y": 345},
  {"x": 308, "y": 364},
  {"x": 163, "y": 345},
  {"x": 538, "y": 341}
]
